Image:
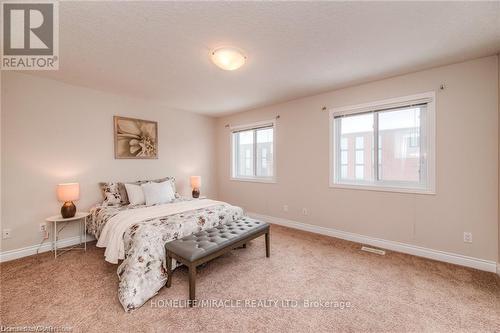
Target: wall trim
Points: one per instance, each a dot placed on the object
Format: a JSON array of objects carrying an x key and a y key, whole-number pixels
[
  {"x": 45, "y": 247},
  {"x": 453, "y": 258}
]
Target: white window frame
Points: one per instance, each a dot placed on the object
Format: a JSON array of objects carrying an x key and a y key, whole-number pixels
[
  {"x": 429, "y": 156},
  {"x": 232, "y": 161}
]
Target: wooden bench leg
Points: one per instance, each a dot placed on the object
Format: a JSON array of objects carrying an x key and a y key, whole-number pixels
[
  {"x": 268, "y": 249},
  {"x": 169, "y": 270},
  {"x": 192, "y": 284}
]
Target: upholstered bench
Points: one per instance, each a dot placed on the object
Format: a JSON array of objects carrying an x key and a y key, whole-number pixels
[{"x": 203, "y": 246}]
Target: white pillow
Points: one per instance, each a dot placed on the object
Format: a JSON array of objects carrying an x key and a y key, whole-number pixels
[
  {"x": 158, "y": 193},
  {"x": 135, "y": 194}
]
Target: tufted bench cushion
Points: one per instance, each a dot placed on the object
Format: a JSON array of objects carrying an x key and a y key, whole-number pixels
[
  {"x": 203, "y": 246},
  {"x": 203, "y": 243}
]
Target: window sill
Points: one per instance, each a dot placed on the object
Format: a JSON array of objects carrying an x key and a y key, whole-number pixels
[
  {"x": 383, "y": 188},
  {"x": 255, "y": 180}
]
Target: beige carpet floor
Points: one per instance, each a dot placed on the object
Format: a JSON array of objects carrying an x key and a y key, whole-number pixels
[{"x": 392, "y": 293}]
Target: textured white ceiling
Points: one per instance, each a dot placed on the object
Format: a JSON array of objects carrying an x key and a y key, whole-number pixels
[{"x": 159, "y": 50}]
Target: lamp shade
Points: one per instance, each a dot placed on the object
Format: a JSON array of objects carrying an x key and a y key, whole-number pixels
[
  {"x": 68, "y": 192},
  {"x": 228, "y": 58},
  {"x": 195, "y": 181}
]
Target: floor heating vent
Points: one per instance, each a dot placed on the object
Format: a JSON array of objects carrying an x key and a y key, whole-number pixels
[{"x": 373, "y": 250}]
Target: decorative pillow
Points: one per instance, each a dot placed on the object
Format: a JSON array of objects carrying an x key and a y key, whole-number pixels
[
  {"x": 111, "y": 194},
  {"x": 158, "y": 193},
  {"x": 123, "y": 192},
  {"x": 135, "y": 194}
]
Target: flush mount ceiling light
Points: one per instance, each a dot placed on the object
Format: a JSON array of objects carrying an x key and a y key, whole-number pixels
[{"x": 228, "y": 58}]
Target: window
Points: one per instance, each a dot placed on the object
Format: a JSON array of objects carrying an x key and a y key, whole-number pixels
[
  {"x": 253, "y": 152},
  {"x": 387, "y": 145},
  {"x": 355, "y": 134}
]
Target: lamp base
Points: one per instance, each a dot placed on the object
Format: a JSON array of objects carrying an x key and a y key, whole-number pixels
[
  {"x": 196, "y": 193},
  {"x": 68, "y": 209}
]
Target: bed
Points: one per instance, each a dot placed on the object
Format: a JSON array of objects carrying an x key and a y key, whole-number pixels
[{"x": 137, "y": 235}]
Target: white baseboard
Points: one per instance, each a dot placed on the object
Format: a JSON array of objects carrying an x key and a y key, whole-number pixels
[
  {"x": 45, "y": 247},
  {"x": 453, "y": 258}
]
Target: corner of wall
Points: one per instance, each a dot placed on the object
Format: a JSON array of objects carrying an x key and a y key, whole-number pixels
[
  {"x": 218, "y": 158},
  {"x": 498, "y": 206}
]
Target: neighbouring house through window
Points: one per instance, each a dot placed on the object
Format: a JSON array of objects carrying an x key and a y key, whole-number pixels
[{"x": 386, "y": 145}]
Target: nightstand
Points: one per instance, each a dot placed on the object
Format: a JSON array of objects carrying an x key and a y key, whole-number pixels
[{"x": 81, "y": 218}]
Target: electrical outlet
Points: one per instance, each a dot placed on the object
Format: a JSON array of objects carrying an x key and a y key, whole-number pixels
[
  {"x": 7, "y": 233},
  {"x": 44, "y": 231},
  {"x": 305, "y": 211},
  {"x": 285, "y": 208},
  {"x": 467, "y": 237}
]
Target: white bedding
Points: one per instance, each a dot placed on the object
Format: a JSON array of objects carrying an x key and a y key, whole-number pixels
[{"x": 112, "y": 233}]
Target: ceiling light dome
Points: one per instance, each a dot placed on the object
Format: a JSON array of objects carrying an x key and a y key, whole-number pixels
[{"x": 228, "y": 58}]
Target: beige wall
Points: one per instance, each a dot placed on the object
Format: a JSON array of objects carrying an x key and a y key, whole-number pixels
[
  {"x": 467, "y": 164},
  {"x": 54, "y": 132}
]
